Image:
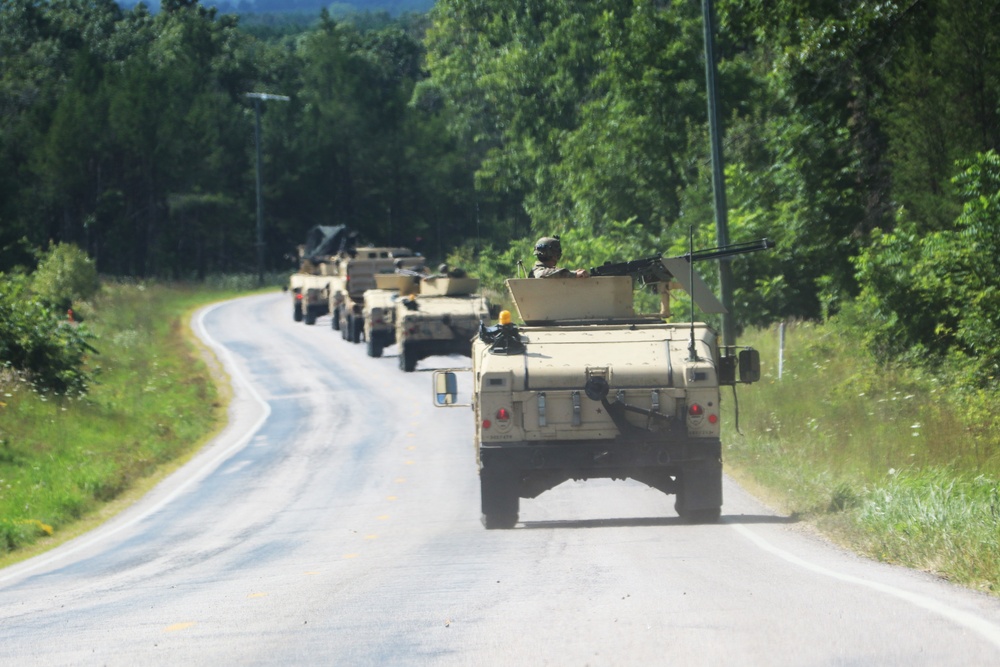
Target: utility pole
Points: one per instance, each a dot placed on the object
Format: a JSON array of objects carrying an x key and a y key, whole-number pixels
[
  {"x": 718, "y": 175},
  {"x": 257, "y": 99}
]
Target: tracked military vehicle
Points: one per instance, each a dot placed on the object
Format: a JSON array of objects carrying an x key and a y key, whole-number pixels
[
  {"x": 442, "y": 319},
  {"x": 355, "y": 275},
  {"x": 587, "y": 388},
  {"x": 379, "y": 310}
]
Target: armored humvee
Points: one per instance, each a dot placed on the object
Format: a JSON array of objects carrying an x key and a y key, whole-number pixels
[
  {"x": 442, "y": 319},
  {"x": 379, "y": 311},
  {"x": 355, "y": 274},
  {"x": 586, "y": 388},
  {"x": 310, "y": 284}
]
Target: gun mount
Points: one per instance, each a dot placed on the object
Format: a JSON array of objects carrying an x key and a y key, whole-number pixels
[{"x": 657, "y": 269}]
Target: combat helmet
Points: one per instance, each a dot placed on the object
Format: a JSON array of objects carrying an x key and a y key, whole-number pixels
[{"x": 547, "y": 248}]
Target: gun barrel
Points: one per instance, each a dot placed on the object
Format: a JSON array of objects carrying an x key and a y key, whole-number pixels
[{"x": 729, "y": 250}]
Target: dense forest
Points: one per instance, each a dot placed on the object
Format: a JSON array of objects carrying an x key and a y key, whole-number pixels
[{"x": 862, "y": 136}]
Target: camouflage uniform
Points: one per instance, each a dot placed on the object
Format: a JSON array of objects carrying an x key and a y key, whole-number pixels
[{"x": 539, "y": 270}]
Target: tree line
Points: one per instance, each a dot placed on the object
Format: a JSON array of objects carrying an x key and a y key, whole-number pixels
[{"x": 860, "y": 135}]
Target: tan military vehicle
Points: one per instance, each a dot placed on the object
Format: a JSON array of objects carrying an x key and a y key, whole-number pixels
[
  {"x": 587, "y": 388},
  {"x": 310, "y": 284},
  {"x": 379, "y": 310},
  {"x": 355, "y": 275},
  {"x": 441, "y": 319}
]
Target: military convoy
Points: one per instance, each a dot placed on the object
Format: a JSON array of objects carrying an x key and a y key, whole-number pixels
[
  {"x": 334, "y": 273},
  {"x": 587, "y": 388},
  {"x": 584, "y": 388}
]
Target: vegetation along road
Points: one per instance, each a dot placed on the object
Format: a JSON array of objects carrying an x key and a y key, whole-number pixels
[{"x": 336, "y": 521}]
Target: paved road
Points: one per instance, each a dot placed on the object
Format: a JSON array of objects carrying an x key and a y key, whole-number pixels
[{"x": 335, "y": 522}]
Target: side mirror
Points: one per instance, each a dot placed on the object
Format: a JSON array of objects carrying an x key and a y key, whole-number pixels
[
  {"x": 749, "y": 363},
  {"x": 446, "y": 390}
]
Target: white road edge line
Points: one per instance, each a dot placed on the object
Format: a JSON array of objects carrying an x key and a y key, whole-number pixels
[
  {"x": 236, "y": 377},
  {"x": 965, "y": 619}
]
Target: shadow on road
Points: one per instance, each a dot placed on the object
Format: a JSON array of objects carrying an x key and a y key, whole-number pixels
[{"x": 657, "y": 521}]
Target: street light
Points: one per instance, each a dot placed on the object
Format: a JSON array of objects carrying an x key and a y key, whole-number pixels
[
  {"x": 257, "y": 99},
  {"x": 718, "y": 174}
]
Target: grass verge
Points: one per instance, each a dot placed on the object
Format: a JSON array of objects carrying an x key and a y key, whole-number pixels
[
  {"x": 895, "y": 463},
  {"x": 67, "y": 463}
]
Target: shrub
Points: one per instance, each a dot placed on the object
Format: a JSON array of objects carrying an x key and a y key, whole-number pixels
[
  {"x": 37, "y": 343},
  {"x": 65, "y": 274}
]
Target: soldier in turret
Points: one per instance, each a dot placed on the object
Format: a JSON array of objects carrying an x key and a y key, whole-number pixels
[{"x": 548, "y": 251}]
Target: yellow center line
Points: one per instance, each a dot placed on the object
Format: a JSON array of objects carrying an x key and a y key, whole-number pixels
[{"x": 178, "y": 626}]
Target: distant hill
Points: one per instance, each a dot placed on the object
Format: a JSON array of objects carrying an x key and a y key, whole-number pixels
[{"x": 393, "y": 7}]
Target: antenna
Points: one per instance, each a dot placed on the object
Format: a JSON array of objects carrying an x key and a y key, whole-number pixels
[{"x": 692, "y": 351}]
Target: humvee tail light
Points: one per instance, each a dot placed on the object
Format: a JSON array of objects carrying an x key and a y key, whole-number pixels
[
  {"x": 487, "y": 423},
  {"x": 504, "y": 317},
  {"x": 696, "y": 410},
  {"x": 298, "y": 296},
  {"x": 503, "y": 415},
  {"x": 712, "y": 419}
]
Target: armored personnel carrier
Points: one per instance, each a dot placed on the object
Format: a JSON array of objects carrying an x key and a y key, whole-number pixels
[
  {"x": 587, "y": 388},
  {"x": 354, "y": 275},
  {"x": 442, "y": 319},
  {"x": 379, "y": 310}
]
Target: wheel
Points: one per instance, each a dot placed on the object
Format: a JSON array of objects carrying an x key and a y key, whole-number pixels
[
  {"x": 335, "y": 322},
  {"x": 500, "y": 501},
  {"x": 374, "y": 346},
  {"x": 345, "y": 327},
  {"x": 499, "y": 521},
  {"x": 407, "y": 358},
  {"x": 310, "y": 316},
  {"x": 699, "y": 498},
  {"x": 707, "y": 515},
  {"x": 701, "y": 516},
  {"x": 297, "y": 311},
  {"x": 357, "y": 329}
]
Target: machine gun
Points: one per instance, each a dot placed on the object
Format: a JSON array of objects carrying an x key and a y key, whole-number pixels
[{"x": 651, "y": 270}]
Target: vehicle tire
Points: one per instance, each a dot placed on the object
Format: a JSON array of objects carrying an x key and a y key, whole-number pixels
[
  {"x": 500, "y": 501},
  {"x": 374, "y": 346},
  {"x": 297, "y": 311},
  {"x": 407, "y": 358},
  {"x": 708, "y": 515},
  {"x": 701, "y": 516},
  {"x": 499, "y": 521},
  {"x": 699, "y": 497},
  {"x": 357, "y": 329},
  {"x": 345, "y": 327},
  {"x": 335, "y": 323},
  {"x": 310, "y": 316}
]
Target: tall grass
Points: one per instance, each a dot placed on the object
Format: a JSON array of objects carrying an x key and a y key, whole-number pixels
[
  {"x": 901, "y": 464},
  {"x": 62, "y": 457}
]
